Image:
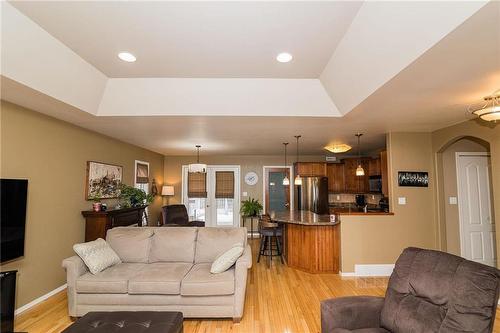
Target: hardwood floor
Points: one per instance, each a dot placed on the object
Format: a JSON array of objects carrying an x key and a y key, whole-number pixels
[{"x": 278, "y": 300}]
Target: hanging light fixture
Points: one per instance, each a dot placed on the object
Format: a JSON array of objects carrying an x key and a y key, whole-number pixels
[
  {"x": 197, "y": 167},
  {"x": 298, "y": 180},
  {"x": 490, "y": 111},
  {"x": 286, "y": 181},
  {"x": 359, "y": 170}
]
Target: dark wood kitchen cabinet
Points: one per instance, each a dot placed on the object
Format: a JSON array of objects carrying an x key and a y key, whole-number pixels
[
  {"x": 335, "y": 174},
  {"x": 384, "y": 171},
  {"x": 374, "y": 167},
  {"x": 310, "y": 169},
  {"x": 353, "y": 183}
]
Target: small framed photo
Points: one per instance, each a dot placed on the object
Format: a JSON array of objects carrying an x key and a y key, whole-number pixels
[
  {"x": 103, "y": 180},
  {"x": 413, "y": 178}
]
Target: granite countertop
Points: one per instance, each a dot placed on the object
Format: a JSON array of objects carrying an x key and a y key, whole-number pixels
[{"x": 303, "y": 217}]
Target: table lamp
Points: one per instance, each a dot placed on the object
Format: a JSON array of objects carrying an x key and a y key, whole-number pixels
[{"x": 167, "y": 191}]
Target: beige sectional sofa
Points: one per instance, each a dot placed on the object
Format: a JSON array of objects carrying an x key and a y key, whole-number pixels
[{"x": 163, "y": 269}]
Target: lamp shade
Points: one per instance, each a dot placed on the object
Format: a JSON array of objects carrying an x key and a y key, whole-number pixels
[
  {"x": 197, "y": 168},
  {"x": 167, "y": 190},
  {"x": 360, "y": 171}
]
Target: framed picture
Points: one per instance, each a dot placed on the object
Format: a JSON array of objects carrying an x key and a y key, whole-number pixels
[
  {"x": 413, "y": 178},
  {"x": 103, "y": 180}
]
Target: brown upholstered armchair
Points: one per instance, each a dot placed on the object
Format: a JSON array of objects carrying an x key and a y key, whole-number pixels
[
  {"x": 429, "y": 291},
  {"x": 177, "y": 216}
]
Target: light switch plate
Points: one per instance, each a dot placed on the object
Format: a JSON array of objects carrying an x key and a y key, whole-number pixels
[
  {"x": 453, "y": 200},
  {"x": 245, "y": 194},
  {"x": 402, "y": 200},
  {"x": 338, "y": 197}
]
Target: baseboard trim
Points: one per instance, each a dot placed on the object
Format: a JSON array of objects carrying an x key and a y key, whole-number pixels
[
  {"x": 39, "y": 299},
  {"x": 370, "y": 270}
]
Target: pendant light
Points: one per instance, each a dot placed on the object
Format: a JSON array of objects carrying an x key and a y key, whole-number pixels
[
  {"x": 490, "y": 111},
  {"x": 197, "y": 167},
  {"x": 286, "y": 181},
  {"x": 298, "y": 180},
  {"x": 359, "y": 170}
]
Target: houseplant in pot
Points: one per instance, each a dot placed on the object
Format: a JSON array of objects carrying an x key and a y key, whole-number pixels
[
  {"x": 133, "y": 197},
  {"x": 96, "y": 205},
  {"x": 250, "y": 207}
]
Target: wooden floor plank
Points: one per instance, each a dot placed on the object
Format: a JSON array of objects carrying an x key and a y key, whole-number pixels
[{"x": 279, "y": 299}]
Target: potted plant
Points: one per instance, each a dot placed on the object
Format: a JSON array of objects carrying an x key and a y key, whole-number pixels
[
  {"x": 133, "y": 197},
  {"x": 251, "y": 207},
  {"x": 96, "y": 198}
]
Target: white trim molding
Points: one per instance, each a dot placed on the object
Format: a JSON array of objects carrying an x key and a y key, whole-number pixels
[
  {"x": 370, "y": 270},
  {"x": 39, "y": 300}
]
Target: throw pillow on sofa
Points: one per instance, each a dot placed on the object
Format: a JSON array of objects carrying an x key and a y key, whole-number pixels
[
  {"x": 97, "y": 255},
  {"x": 227, "y": 259}
]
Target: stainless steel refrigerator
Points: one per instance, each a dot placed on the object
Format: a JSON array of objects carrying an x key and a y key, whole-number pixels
[{"x": 312, "y": 195}]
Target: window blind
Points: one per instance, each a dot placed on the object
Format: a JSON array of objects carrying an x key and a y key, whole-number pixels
[
  {"x": 224, "y": 184},
  {"x": 197, "y": 185},
  {"x": 142, "y": 173}
]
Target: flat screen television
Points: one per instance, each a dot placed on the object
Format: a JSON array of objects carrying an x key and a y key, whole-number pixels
[{"x": 13, "y": 196}]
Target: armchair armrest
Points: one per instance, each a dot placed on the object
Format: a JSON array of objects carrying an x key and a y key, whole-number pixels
[{"x": 351, "y": 313}]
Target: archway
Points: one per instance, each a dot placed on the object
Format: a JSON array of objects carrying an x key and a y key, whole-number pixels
[{"x": 448, "y": 188}]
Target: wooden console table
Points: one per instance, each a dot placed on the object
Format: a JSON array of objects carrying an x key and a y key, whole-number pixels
[{"x": 98, "y": 223}]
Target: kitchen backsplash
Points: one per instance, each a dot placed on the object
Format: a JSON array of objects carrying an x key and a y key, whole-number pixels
[{"x": 347, "y": 197}]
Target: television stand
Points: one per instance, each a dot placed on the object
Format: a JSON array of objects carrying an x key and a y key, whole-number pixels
[{"x": 8, "y": 300}]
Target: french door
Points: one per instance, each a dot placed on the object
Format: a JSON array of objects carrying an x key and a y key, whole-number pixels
[{"x": 214, "y": 211}]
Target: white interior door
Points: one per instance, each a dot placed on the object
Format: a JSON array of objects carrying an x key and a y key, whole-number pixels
[
  {"x": 215, "y": 212},
  {"x": 477, "y": 224}
]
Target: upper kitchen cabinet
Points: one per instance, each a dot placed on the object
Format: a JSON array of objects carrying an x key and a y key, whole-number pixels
[
  {"x": 374, "y": 167},
  {"x": 353, "y": 183},
  {"x": 310, "y": 169},
  {"x": 384, "y": 173},
  {"x": 335, "y": 174}
]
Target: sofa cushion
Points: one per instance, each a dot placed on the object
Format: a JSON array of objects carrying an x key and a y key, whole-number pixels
[
  {"x": 212, "y": 242},
  {"x": 175, "y": 244},
  {"x": 159, "y": 278},
  {"x": 431, "y": 291},
  {"x": 132, "y": 244},
  {"x": 200, "y": 282},
  {"x": 113, "y": 280}
]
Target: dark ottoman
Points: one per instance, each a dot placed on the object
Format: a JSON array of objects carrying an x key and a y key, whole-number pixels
[{"x": 128, "y": 322}]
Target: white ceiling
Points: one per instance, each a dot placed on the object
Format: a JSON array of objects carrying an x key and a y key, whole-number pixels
[
  {"x": 430, "y": 92},
  {"x": 208, "y": 39}
]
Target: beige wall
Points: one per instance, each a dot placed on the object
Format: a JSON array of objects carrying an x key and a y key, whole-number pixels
[
  {"x": 448, "y": 188},
  {"x": 422, "y": 221},
  {"x": 488, "y": 132},
  {"x": 380, "y": 239},
  {"x": 52, "y": 155}
]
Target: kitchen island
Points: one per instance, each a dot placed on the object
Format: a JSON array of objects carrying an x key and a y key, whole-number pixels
[{"x": 311, "y": 241}]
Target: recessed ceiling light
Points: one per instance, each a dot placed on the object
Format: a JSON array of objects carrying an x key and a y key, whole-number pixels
[
  {"x": 284, "y": 57},
  {"x": 128, "y": 57}
]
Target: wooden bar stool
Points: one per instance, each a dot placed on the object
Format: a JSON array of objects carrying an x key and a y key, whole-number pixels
[{"x": 270, "y": 231}]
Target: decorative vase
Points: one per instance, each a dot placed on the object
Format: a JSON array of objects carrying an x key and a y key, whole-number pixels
[{"x": 96, "y": 206}]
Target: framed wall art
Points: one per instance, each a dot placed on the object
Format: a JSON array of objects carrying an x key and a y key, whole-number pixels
[
  {"x": 103, "y": 180},
  {"x": 413, "y": 178}
]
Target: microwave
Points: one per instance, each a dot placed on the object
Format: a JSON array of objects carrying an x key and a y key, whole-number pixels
[{"x": 375, "y": 183}]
